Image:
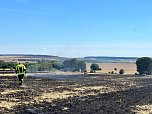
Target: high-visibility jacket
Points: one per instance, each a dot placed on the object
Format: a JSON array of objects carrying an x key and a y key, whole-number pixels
[{"x": 20, "y": 69}]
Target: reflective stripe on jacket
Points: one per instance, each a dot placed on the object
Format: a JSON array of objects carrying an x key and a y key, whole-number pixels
[{"x": 20, "y": 68}]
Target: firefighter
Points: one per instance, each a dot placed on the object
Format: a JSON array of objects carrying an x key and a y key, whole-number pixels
[{"x": 21, "y": 71}]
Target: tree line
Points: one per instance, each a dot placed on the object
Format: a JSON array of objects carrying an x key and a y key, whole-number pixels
[
  {"x": 7, "y": 65},
  {"x": 72, "y": 65},
  {"x": 144, "y": 65}
]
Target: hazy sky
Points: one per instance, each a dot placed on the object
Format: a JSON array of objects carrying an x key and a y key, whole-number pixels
[{"x": 76, "y": 28}]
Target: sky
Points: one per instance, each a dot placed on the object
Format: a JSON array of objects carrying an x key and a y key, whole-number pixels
[{"x": 76, "y": 28}]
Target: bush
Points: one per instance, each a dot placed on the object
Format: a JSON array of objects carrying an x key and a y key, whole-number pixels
[
  {"x": 112, "y": 72},
  {"x": 75, "y": 70},
  {"x": 121, "y": 71},
  {"x": 115, "y": 69},
  {"x": 92, "y": 71},
  {"x": 94, "y": 66},
  {"x": 144, "y": 65},
  {"x": 99, "y": 69},
  {"x": 85, "y": 70},
  {"x": 136, "y": 73}
]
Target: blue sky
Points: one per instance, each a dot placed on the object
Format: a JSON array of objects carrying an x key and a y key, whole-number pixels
[{"x": 76, "y": 28}]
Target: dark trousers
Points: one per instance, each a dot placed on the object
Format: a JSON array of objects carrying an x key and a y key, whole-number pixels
[{"x": 20, "y": 77}]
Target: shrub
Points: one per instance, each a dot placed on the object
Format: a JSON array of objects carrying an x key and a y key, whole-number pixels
[
  {"x": 121, "y": 71},
  {"x": 92, "y": 71},
  {"x": 136, "y": 73},
  {"x": 112, "y": 72},
  {"x": 94, "y": 66},
  {"x": 85, "y": 70}
]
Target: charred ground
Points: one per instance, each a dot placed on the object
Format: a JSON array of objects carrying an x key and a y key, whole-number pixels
[{"x": 86, "y": 95}]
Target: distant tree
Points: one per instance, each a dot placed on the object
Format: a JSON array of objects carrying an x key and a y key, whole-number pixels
[
  {"x": 57, "y": 65},
  {"x": 44, "y": 65},
  {"x": 94, "y": 66},
  {"x": 92, "y": 71},
  {"x": 2, "y": 64},
  {"x": 9, "y": 65},
  {"x": 66, "y": 64},
  {"x": 112, "y": 72},
  {"x": 115, "y": 69},
  {"x": 33, "y": 68},
  {"x": 121, "y": 71},
  {"x": 74, "y": 65},
  {"x": 81, "y": 66},
  {"x": 136, "y": 73},
  {"x": 144, "y": 65}
]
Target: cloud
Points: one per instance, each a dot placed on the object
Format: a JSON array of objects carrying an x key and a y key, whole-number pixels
[
  {"x": 44, "y": 48},
  {"x": 47, "y": 49}
]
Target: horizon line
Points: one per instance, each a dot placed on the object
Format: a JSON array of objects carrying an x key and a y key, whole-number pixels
[{"x": 73, "y": 57}]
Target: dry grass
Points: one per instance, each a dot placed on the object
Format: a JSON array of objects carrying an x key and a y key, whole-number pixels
[
  {"x": 104, "y": 94},
  {"x": 130, "y": 68},
  {"x": 78, "y": 91}
]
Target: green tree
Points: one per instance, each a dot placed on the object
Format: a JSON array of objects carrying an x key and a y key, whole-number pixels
[
  {"x": 94, "y": 66},
  {"x": 121, "y": 71},
  {"x": 115, "y": 69},
  {"x": 144, "y": 65},
  {"x": 57, "y": 65},
  {"x": 74, "y": 65},
  {"x": 82, "y": 66},
  {"x": 112, "y": 72},
  {"x": 9, "y": 65},
  {"x": 66, "y": 64},
  {"x": 43, "y": 65}
]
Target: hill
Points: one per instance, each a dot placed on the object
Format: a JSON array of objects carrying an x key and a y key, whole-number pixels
[
  {"x": 29, "y": 57},
  {"x": 102, "y": 59},
  {"x": 89, "y": 59}
]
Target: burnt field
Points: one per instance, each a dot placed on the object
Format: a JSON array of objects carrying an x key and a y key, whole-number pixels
[{"x": 100, "y": 94}]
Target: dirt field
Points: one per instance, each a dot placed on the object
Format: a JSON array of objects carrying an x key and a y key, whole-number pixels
[
  {"x": 130, "y": 68},
  {"x": 101, "y": 94}
]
